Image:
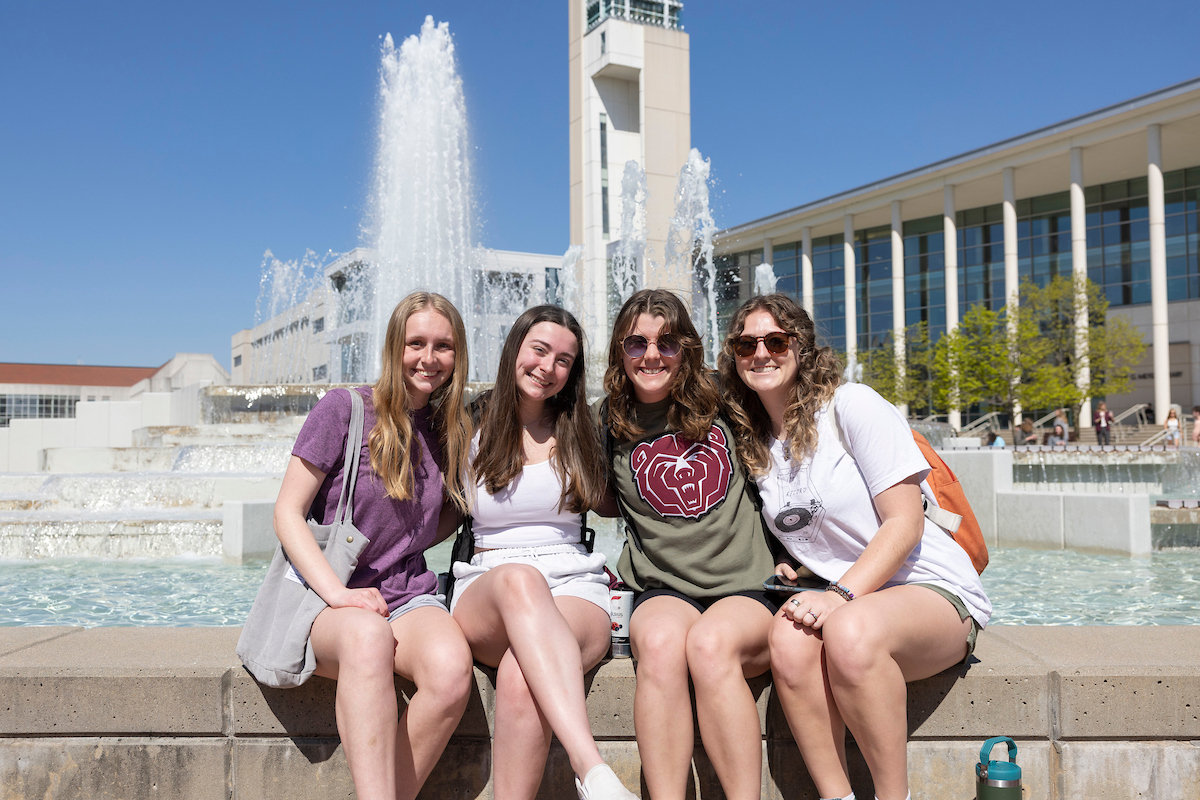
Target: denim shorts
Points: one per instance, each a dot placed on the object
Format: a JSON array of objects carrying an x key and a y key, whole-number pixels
[
  {"x": 420, "y": 601},
  {"x": 570, "y": 570}
]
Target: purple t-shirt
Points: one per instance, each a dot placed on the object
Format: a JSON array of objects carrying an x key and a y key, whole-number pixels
[{"x": 399, "y": 531}]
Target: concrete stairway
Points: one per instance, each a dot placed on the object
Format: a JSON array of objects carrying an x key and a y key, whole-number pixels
[{"x": 163, "y": 497}]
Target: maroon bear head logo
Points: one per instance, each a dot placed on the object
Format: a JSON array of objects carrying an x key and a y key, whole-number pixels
[{"x": 681, "y": 478}]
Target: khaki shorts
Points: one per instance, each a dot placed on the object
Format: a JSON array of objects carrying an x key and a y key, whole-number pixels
[{"x": 961, "y": 608}]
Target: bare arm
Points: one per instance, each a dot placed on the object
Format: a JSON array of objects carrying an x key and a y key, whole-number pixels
[
  {"x": 900, "y": 529},
  {"x": 301, "y": 483},
  {"x": 449, "y": 520}
]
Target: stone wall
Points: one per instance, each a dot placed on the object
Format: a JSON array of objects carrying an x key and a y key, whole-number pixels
[{"x": 108, "y": 713}]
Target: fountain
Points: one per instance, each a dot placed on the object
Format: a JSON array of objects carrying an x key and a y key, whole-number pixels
[
  {"x": 421, "y": 220},
  {"x": 629, "y": 253},
  {"x": 764, "y": 279},
  {"x": 289, "y": 292},
  {"x": 690, "y": 247}
]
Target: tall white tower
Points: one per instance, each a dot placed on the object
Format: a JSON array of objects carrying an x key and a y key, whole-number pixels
[{"x": 630, "y": 99}]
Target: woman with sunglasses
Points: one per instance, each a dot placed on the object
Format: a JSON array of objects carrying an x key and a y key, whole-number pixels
[
  {"x": 695, "y": 554},
  {"x": 842, "y": 482},
  {"x": 532, "y": 601}
]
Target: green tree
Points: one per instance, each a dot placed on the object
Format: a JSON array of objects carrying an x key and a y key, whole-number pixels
[
  {"x": 910, "y": 385},
  {"x": 988, "y": 357},
  {"x": 1051, "y": 372}
]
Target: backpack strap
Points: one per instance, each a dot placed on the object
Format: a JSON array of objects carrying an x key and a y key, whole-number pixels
[{"x": 944, "y": 518}]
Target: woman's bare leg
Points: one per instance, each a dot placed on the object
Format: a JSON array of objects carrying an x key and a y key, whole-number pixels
[
  {"x": 662, "y": 706},
  {"x": 727, "y": 645},
  {"x": 356, "y": 647},
  {"x": 510, "y": 607},
  {"x": 873, "y": 646},
  {"x": 522, "y": 738},
  {"x": 434, "y": 655},
  {"x": 800, "y": 683}
]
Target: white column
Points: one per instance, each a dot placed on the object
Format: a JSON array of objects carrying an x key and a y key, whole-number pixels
[
  {"x": 851, "y": 308},
  {"x": 806, "y": 278},
  {"x": 898, "y": 296},
  {"x": 1158, "y": 277},
  {"x": 950, "y": 234},
  {"x": 1083, "y": 377},
  {"x": 1012, "y": 274}
]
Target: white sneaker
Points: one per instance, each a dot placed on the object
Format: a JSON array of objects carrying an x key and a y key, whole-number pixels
[{"x": 602, "y": 783}]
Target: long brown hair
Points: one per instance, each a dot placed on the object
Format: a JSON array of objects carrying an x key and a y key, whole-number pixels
[
  {"x": 694, "y": 398},
  {"x": 577, "y": 453},
  {"x": 818, "y": 376},
  {"x": 391, "y": 440}
]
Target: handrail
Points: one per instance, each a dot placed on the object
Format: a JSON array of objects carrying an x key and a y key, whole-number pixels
[
  {"x": 931, "y": 418},
  {"x": 1137, "y": 409},
  {"x": 1038, "y": 423},
  {"x": 1156, "y": 438},
  {"x": 980, "y": 423}
]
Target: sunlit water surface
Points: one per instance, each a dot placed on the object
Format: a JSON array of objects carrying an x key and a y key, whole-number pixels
[{"x": 1027, "y": 587}]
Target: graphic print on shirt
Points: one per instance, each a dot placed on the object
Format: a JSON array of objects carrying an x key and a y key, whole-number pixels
[
  {"x": 681, "y": 478},
  {"x": 802, "y": 511}
]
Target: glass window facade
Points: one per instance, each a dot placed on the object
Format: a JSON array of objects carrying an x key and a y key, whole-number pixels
[
  {"x": 1118, "y": 237},
  {"x": 1118, "y": 241},
  {"x": 36, "y": 406},
  {"x": 873, "y": 285},
  {"x": 980, "y": 258}
]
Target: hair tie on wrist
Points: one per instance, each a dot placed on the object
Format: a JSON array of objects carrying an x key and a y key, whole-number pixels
[{"x": 834, "y": 586}]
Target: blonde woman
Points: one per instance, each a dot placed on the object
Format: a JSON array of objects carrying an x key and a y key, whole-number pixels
[
  {"x": 842, "y": 481},
  {"x": 387, "y": 620}
]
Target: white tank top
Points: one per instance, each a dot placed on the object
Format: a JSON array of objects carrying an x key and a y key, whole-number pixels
[{"x": 525, "y": 513}]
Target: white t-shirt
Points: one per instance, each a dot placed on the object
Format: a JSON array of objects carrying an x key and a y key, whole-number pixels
[
  {"x": 823, "y": 511},
  {"x": 525, "y": 513}
]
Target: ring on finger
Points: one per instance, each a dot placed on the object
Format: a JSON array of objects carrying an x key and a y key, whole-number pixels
[
  {"x": 810, "y": 611},
  {"x": 795, "y": 601}
]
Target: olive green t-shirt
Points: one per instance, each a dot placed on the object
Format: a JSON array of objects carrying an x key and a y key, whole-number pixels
[{"x": 696, "y": 529}]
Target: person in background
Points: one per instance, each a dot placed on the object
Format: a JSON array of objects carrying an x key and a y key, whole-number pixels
[
  {"x": 1060, "y": 418},
  {"x": 995, "y": 439},
  {"x": 1171, "y": 426},
  {"x": 1196, "y": 425},
  {"x": 1102, "y": 422},
  {"x": 1057, "y": 436},
  {"x": 1025, "y": 434}
]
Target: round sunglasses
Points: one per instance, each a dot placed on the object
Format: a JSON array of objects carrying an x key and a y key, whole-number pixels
[
  {"x": 777, "y": 343},
  {"x": 635, "y": 345}
]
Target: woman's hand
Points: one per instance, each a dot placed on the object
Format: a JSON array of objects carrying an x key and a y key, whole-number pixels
[
  {"x": 368, "y": 598},
  {"x": 784, "y": 570},
  {"x": 811, "y": 609}
]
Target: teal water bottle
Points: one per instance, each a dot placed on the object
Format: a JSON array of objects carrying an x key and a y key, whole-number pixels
[{"x": 997, "y": 780}]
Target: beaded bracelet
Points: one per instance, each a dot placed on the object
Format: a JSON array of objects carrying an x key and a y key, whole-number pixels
[{"x": 834, "y": 586}]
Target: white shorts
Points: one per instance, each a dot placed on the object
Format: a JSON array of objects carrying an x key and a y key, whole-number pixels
[{"x": 569, "y": 569}]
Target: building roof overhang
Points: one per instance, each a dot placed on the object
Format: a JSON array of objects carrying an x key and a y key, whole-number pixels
[{"x": 1113, "y": 122}]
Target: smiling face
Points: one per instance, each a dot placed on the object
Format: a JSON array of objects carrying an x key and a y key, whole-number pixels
[
  {"x": 653, "y": 374},
  {"x": 428, "y": 354},
  {"x": 544, "y": 361},
  {"x": 769, "y": 374}
]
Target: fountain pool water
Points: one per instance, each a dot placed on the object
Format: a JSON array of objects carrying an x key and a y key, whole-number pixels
[{"x": 1071, "y": 589}]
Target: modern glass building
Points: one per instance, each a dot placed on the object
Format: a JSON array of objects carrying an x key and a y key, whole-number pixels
[{"x": 1114, "y": 194}]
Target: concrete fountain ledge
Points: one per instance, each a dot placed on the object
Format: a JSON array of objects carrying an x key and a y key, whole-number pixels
[{"x": 105, "y": 713}]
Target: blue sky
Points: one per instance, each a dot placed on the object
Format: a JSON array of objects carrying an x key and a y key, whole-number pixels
[{"x": 151, "y": 152}]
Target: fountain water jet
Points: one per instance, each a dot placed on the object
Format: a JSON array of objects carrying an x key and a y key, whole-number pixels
[
  {"x": 421, "y": 221},
  {"x": 690, "y": 246}
]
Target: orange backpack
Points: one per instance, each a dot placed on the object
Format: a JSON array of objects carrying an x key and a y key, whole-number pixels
[{"x": 953, "y": 513}]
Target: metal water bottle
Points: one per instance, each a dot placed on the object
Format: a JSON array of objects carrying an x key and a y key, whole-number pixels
[{"x": 997, "y": 780}]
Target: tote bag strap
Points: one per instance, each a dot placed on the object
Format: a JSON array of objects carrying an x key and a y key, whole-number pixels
[{"x": 350, "y": 460}]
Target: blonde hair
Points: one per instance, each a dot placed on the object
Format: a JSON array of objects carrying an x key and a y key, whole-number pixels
[
  {"x": 391, "y": 440},
  {"x": 694, "y": 397},
  {"x": 818, "y": 376}
]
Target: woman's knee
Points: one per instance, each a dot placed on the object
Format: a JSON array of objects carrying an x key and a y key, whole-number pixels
[
  {"x": 364, "y": 642},
  {"x": 447, "y": 670},
  {"x": 795, "y": 653},
  {"x": 854, "y": 645},
  {"x": 711, "y": 649}
]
